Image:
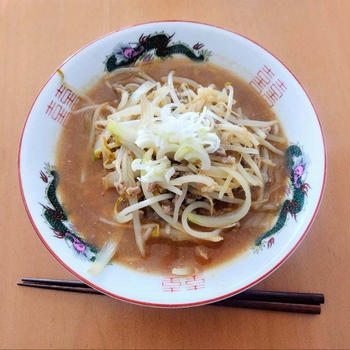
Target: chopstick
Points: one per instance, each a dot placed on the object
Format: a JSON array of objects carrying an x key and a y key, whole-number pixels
[
  {"x": 270, "y": 305},
  {"x": 60, "y": 287},
  {"x": 309, "y": 303}
]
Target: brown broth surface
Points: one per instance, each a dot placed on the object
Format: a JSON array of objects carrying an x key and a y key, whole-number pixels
[{"x": 87, "y": 202}]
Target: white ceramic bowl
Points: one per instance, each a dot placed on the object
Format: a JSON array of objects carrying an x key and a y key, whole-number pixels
[{"x": 245, "y": 58}]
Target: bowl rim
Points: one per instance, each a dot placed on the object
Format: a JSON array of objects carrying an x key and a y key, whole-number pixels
[{"x": 175, "y": 305}]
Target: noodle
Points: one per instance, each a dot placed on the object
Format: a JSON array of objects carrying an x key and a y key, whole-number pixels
[{"x": 181, "y": 149}]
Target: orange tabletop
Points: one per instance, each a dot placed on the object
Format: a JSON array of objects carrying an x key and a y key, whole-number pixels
[{"x": 312, "y": 39}]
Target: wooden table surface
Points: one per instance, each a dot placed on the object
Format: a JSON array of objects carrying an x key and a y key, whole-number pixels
[{"x": 312, "y": 39}]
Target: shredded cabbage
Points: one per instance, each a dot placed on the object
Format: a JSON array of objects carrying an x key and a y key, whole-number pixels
[
  {"x": 154, "y": 170},
  {"x": 189, "y": 135}
]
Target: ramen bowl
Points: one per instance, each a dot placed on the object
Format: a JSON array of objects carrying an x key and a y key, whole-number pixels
[{"x": 199, "y": 42}]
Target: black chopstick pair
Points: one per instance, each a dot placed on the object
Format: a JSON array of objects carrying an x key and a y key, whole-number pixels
[{"x": 308, "y": 303}]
